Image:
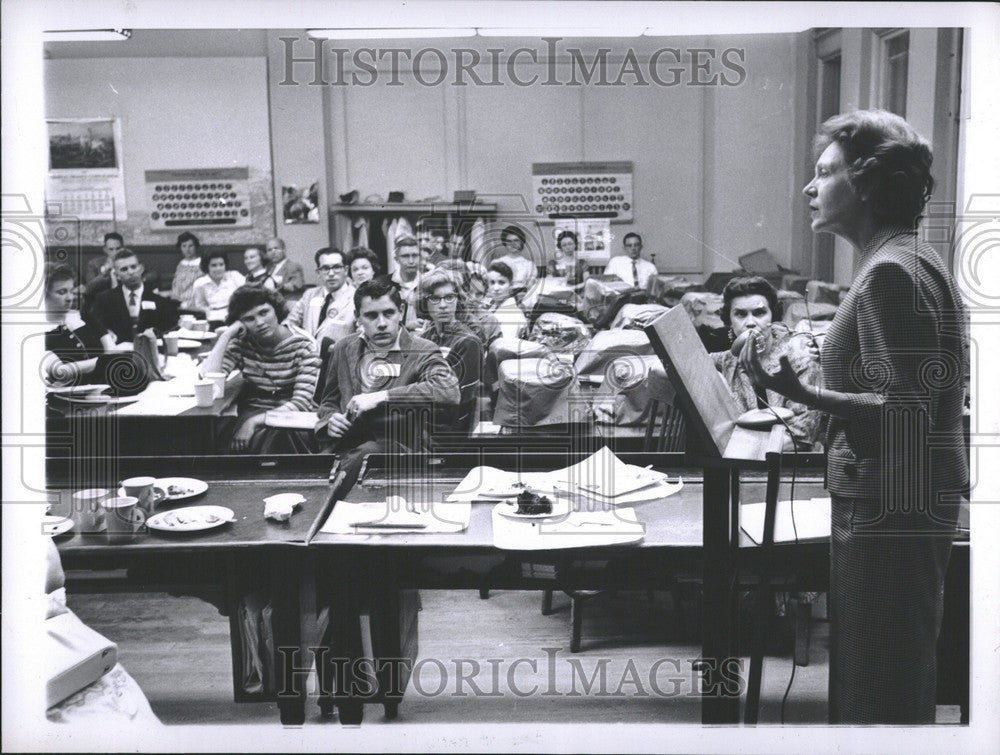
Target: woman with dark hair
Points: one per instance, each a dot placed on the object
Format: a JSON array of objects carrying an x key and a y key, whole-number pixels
[
  {"x": 280, "y": 366},
  {"x": 73, "y": 348},
  {"x": 500, "y": 279},
  {"x": 750, "y": 306},
  {"x": 895, "y": 361},
  {"x": 188, "y": 269},
  {"x": 564, "y": 264},
  {"x": 363, "y": 265},
  {"x": 521, "y": 265},
  {"x": 442, "y": 303},
  {"x": 212, "y": 291}
]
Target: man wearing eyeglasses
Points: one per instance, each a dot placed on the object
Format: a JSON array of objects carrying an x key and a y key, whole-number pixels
[{"x": 326, "y": 311}]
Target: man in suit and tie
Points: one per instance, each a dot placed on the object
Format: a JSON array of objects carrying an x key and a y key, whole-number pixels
[
  {"x": 288, "y": 276},
  {"x": 630, "y": 267},
  {"x": 131, "y": 307},
  {"x": 326, "y": 311},
  {"x": 371, "y": 377}
]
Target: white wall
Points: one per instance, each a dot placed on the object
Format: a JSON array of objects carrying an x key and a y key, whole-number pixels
[{"x": 176, "y": 113}]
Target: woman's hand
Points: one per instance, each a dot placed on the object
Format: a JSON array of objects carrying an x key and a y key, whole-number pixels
[
  {"x": 243, "y": 436},
  {"x": 785, "y": 381},
  {"x": 234, "y": 330}
]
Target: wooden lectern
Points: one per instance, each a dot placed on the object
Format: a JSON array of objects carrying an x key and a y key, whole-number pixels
[{"x": 715, "y": 443}]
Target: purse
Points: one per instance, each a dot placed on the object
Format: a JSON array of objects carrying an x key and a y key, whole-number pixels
[{"x": 75, "y": 656}]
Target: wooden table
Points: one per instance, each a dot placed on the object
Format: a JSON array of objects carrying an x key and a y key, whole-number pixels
[
  {"x": 382, "y": 565},
  {"x": 230, "y": 559}
]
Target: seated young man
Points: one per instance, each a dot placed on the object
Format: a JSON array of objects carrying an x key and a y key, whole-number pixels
[{"x": 374, "y": 375}]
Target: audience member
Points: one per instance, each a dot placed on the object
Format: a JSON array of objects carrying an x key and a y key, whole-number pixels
[
  {"x": 188, "y": 270},
  {"x": 288, "y": 276},
  {"x": 130, "y": 307},
  {"x": 630, "y": 267},
  {"x": 523, "y": 268},
  {"x": 442, "y": 303},
  {"x": 73, "y": 347},
  {"x": 564, "y": 263},
  {"x": 98, "y": 266},
  {"x": 326, "y": 311},
  {"x": 212, "y": 290},
  {"x": 373, "y": 375},
  {"x": 364, "y": 265},
  {"x": 257, "y": 274},
  {"x": 279, "y": 363},
  {"x": 504, "y": 307}
]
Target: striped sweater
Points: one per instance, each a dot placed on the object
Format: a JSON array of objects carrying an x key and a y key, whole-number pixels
[{"x": 282, "y": 378}]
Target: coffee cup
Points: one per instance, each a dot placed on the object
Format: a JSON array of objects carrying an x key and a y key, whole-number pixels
[
  {"x": 201, "y": 326},
  {"x": 87, "y": 511},
  {"x": 219, "y": 382},
  {"x": 187, "y": 321},
  {"x": 204, "y": 392},
  {"x": 123, "y": 518},
  {"x": 170, "y": 344},
  {"x": 144, "y": 490}
]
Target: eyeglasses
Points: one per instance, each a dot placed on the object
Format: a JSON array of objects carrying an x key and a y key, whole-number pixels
[
  {"x": 446, "y": 299},
  {"x": 330, "y": 269}
]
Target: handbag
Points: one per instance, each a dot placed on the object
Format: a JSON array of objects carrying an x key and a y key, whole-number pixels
[{"x": 75, "y": 656}]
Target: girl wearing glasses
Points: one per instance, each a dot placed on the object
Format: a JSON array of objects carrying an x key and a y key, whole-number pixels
[{"x": 443, "y": 305}]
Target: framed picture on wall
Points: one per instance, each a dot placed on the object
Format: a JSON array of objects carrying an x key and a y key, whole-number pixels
[
  {"x": 300, "y": 205},
  {"x": 85, "y": 177}
]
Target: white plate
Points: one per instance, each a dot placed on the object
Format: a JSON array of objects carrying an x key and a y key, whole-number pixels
[
  {"x": 54, "y": 526},
  {"x": 190, "y": 519},
  {"x": 102, "y": 399},
  {"x": 76, "y": 390},
  {"x": 195, "y": 487},
  {"x": 560, "y": 509},
  {"x": 761, "y": 418},
  {"x": 182, "y": 343},
  {"x": 195, "y": 335}
]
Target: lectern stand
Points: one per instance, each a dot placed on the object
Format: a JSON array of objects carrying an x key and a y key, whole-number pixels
[{"x": 722, "y": 449}]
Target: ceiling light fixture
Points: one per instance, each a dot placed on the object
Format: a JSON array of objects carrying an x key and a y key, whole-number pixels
[{"x": 87, "y": 35}]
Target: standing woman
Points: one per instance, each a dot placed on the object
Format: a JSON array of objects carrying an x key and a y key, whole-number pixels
[
  {"x": 188, "y": 270},
  {"x": 894, "y": 364}
]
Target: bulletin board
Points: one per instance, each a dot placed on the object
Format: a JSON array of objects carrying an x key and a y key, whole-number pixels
[
  {"x": 198, "y": 197},
  {"x": 583, "y": 190}
]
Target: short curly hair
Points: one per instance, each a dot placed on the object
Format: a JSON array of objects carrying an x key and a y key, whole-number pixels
[
  {"x": 246, "y": 298},
  {"x": 888, "y": 162},
  {"x": 750, "y": 286},
  {"x": 58, "y": 271},
  {"x": 207, "y": 257},
  {"x": 568, "y": 235}
]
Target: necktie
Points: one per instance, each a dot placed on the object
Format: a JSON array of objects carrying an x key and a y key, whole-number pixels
[
  {"x": 131, "y": 309},
  {"x": 326, "y": 306},
  {"x": 635, "y": 274}
]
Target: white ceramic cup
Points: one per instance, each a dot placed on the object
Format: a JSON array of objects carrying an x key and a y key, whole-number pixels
[
  {"x": 145, "y": 491},
  {"x": 170, "y": 343},
  {"x": 123, "y": 518},
  {"x": 204, "y": 392},
  {"x": 187, "y": 321},
  {"x": 219, "y": 380},
  {"x": 87, "y": 511},
  {"x": 200, "y": 325}
]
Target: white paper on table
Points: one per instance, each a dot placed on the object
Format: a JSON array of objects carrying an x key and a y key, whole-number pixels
[
  {"x": 606, "y": 475},
  {"x": 291, "y": 420},
  {"x": 812, "y": 521},
  {"x": 158, "y": 406},
  {"x": 581, "y": 529},
  {"x": 652, "y": 492},
  {"x": 440, "y": 517},
  {"x": 490, "y": 482}
]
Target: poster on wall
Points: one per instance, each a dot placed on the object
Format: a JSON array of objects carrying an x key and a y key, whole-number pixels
[
  {"x": 593, "y": 238},
  {"x": 85, "y": 178},
  {"x": 300, "y": 205}
]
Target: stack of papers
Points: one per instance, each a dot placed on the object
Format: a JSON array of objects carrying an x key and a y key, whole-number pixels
[
  {"x": 602, "y": 477},
  {"x": 291, "y": 420},
  {"x": 606, "y": 478},
  {"x": 384, "y": 518},
  {"x": 580, "y": 529},
  {"x": 811, "y": 521}
]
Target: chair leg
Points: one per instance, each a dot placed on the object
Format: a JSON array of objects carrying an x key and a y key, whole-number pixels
[
  {"x": 546, "y": 602},
  {"x": 484, "y": 593},
  {"x": 576, "y": 617}
]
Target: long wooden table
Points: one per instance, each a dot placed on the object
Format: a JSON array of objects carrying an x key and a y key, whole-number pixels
[{"x": 226, "y": 561}]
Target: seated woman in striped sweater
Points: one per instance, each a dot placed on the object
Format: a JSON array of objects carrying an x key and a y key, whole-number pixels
[{"x": 280, "y": 366}]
